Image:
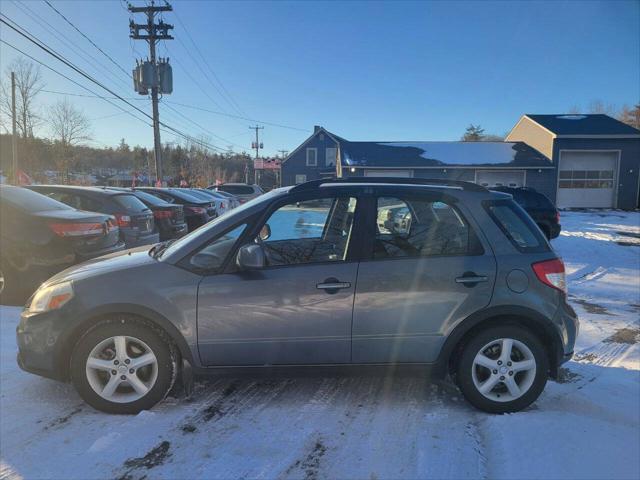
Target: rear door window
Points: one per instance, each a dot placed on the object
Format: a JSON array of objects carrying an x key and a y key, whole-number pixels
[
  {"x": 130, "y": 203},
  {"x": 517, "y": 226},
  {"x": 422, "y": 227}
]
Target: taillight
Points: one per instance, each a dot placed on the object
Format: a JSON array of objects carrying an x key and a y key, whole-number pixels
[
  {"x": 551, "y": 273},
  {"x": 198, "y": 210},
  {"x": 76, "y": 229},
  {"x": 163, "y": 214},
  {"x": 557, "y": 216},
  {"x": 123, "y": 220}
]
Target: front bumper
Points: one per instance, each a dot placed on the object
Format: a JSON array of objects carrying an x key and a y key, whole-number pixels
[{"x": 40, "y": 345}]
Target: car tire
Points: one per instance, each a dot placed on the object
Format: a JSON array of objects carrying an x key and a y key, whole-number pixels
[
  {"x": 10, "y": 284},
  {"x": 496, "y": 382},
  {"x": 124, "y": 365}
]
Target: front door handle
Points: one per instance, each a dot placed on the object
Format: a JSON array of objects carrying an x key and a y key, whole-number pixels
[
  {"x": 333, "y": 285},
  {"x": 471, "y": 279}
]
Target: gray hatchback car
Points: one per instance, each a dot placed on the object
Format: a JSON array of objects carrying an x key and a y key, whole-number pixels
[{"x": 350, "y": 272}]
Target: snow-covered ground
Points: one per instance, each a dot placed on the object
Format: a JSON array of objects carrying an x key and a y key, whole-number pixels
[{"x": 585, "y": 426}]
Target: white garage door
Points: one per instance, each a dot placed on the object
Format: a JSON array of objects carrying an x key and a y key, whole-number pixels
[
  {"x": 587, "y": 179},
  {"x": 500, "y": 178},
  {"x": 388, "y": 173}
]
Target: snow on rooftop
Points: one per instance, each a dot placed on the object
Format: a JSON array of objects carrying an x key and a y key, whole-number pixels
[{"x": 463, "y": 153}]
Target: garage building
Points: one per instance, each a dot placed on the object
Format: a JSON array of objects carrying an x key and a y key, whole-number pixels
[{"x": 578, "y": 161}]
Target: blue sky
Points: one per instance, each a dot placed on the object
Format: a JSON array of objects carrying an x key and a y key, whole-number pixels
[{"x": 364, "y": 70}]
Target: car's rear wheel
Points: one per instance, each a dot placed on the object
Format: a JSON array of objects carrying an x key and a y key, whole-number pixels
[
  {"x": 503, "y": 369},
  {"x": 10, "y": 284},
  {"x": 123, "y": 365}
]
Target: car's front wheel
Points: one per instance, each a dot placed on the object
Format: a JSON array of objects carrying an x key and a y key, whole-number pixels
[
  {"x": 503, "y": 369},
  {"x": 123, "y": 365}
]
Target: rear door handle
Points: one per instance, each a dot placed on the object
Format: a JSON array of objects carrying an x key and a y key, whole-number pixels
[
  {"x": 333, "y": 285},
  {"x": 475, "y": 279}
]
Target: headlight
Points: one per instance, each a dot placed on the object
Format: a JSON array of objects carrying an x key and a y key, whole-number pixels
[{"x": 51, "y": 297}]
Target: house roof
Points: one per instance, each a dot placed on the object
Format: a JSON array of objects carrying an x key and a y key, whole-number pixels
[
  {"x": 583, "y": 124},
  {"x": 440, "y": 154}
]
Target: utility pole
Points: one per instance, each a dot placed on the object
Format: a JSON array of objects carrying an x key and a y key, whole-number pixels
[
  {"x": 14, "y": 136},
  {"x": 257, "y": 146},
  {"x": 284, "y": 154},
  {"x": 154, "y": 33}
]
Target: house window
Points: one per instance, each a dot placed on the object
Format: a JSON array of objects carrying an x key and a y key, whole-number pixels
[
  {"x": 312, "y": 157},
  {"x": 301, "y": 179},
  {"x": 330, "y": 157}
]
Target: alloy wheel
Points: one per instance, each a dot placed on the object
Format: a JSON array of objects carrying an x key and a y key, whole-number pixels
[
  {"x": 122, "y": 369},
  {"x": 504, "y": 370}
]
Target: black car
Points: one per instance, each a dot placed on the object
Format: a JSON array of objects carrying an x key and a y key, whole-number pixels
[
  {"x": 41, "y": 236},
  {"x": 169, "y": 217},
  {"x": 135, "y": 220},
  {"x": 538, "y": 206},
  {"x": 197, "y": 211}
]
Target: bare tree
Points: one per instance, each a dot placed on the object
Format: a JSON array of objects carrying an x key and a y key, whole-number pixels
[
  {"x": 69, "y": 125},
  {"x": 28, "y": 85},
  {"x": 630, "y": 116},
  {"x": 598, "y": 106}
]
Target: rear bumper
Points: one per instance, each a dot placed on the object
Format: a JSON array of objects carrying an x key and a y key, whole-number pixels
[
  {"x": 135, "y": 239},
  {"x": 118, "y": 247},
  {"x": 169, "y": 232},
  {"x": 554, "y": 230}
]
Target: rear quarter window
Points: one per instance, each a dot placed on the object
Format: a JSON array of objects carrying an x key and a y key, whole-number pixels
[
  {"x": 517, "y": 225},
  {"x": 130, "y": 203}
]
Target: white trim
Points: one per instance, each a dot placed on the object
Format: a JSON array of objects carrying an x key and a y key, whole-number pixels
[
  {"x": 315, "y": 149},
  {"x": 616, "y": 175},
  {"x": 335, "y": 156}
]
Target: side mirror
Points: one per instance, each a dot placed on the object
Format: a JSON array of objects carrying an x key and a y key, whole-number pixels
[
  {"x": 250, "y": 257},
  {"x": 265, "y": 232}
]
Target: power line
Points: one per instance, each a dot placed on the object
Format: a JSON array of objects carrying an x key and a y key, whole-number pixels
[
  {"x": 222, "y": 92},
  {"x": 66, "y": 62},
  {"x": 200, "y": 126},
  {"x": 86, "y": 56},
  {"x": 90, "y": 41},
  {"x": 69, "y": 94},
  {"x": 237, "y": 116},
  {"x": 71, "y": 80}
]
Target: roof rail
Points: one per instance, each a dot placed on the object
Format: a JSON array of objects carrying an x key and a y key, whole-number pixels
[{"x": 313, "y": 184}]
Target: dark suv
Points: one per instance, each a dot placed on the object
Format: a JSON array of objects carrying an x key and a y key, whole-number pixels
[
  {"x": 132, "y": 216},
  {"x": 446, "y": 275},
  {"x": 538, "y": 206}
]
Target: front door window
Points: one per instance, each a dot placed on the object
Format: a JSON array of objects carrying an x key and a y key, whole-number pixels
[{"x": 312, "y": 231}]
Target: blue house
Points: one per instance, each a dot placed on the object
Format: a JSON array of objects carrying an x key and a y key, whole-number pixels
[{"x": 591, "y": 161}]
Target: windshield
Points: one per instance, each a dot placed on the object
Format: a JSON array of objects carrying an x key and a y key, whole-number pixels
[{"x": 204, "y": 230}]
